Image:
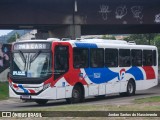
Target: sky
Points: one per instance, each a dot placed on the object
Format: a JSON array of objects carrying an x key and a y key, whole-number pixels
[{"x": 4, "y": 32}]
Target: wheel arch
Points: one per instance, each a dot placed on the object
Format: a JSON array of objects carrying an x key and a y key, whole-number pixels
[{"x": 81, "y": 86}]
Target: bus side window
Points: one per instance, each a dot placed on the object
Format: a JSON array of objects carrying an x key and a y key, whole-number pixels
[
  {"x": 136, "y": 56},
  {"x": 80, "y": 57},
  {"x": 154, "y": 57},
  {"x": 147, "y": 57},
  {"x": 111, "y": 57},
  {"x": 97, "y": 57},
  {"x": 124, "y": 58}
]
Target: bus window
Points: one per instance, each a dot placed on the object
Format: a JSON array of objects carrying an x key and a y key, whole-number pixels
[
  {"x": 124, "y": 58},
  {"x": 80, "y": 57},
  {"x": 147, "y": 57},
  {"x": 61, "y": 61},
  {"x": 136, "y": 56},
  {"x": 154, "y": 58},
  {"x": 111, "y": 57},
  {"x": 97, "y": 57}
]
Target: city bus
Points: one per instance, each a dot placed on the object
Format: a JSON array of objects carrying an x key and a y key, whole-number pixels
[{"x": 43, "y": 70}]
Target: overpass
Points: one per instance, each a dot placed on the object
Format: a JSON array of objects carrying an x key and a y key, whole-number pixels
[{"x": 72, "y": 18}]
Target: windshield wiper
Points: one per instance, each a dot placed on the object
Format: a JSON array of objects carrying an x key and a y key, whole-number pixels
[
  {"x": 23, "y": 58},
  {"x": 32, "y": 58}
]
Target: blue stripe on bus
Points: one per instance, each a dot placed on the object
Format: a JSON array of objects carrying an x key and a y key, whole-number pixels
[
  {"x": 102, "y": 75},
  {"x": 136, "y": 72},
  {"x": 25, "y": 91},
  {"x": 86, "y": 45}
]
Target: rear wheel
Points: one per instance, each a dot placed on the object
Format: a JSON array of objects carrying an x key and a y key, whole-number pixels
[
  {"x": 41, "y": 102},
  {"x": 77, "y": 95},
  {"x": 130, "y": 89}
]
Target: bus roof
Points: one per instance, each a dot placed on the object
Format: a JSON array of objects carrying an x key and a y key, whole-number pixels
[
  {"x": 112, "y": 44},
  {"x": 99, "y": 42}
]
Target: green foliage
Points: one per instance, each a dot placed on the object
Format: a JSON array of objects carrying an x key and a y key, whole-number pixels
[
  {"x": 157, "y": 43},
  {"x": 108, "y": 37},
  {"x": 148, "y": 100},
  {"x": 145, "y": 39},
  {"x": 157, "y": 40},
  {"x": 4, "y": 90},
  {"x": 13, "y": 38},
  {"x": 141, "y": 39}
]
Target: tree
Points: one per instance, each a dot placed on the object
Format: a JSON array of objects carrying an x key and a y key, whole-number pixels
[
  {"x": 108, "y": 37},
  {"x": 157, "y": 43},
  {"x": 13, "y": 38},
  {"x": 142, "y": 39}
]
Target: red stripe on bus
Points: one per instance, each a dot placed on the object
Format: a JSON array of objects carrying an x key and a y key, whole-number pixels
[{"x": 150, "y": 74}]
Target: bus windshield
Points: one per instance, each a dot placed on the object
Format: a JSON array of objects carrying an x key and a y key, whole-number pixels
[{"x": 31, "y": 64}]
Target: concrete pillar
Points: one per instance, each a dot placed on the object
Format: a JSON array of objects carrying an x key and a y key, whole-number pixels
[
  {"x": 3, "y": 75},
  {"x": 71, "y": 31}
]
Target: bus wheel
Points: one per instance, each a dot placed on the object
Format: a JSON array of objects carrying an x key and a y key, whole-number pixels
[
  {"x": 41, "y": 102},
  {"x": 130, "y": 89},
  {"x": 77, "y": 95}
]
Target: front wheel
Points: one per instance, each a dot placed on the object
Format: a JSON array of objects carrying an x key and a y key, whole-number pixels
[{"x": 77, "y": 95}]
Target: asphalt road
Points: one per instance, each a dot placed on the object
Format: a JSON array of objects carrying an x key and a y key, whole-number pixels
[{"x": 114, "y": 99}]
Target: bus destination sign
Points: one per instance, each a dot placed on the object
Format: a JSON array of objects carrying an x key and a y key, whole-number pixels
[{"x": 25, "y": 46}]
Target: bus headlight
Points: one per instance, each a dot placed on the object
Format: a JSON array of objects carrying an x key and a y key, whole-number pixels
[{"x": 46, "y": 86}]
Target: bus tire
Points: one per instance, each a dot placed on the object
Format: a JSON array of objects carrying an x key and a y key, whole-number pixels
[
  {"x": 77, "y": 95},
  {"x": 41, "y": 102},
  {"x": 130, "y": 89}
]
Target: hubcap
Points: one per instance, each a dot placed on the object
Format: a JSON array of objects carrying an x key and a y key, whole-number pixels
[
  {"x": 76, "y": 94},
  {"x": 130, "y": 87}
]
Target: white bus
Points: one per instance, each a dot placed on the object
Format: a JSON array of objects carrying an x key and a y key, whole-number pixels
[{"x": 43, "y": 70}]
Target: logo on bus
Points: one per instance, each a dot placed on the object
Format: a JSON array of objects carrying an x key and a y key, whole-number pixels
[
  {"x": 97, "y": 75},
  {"x": 122, "y": 74}
]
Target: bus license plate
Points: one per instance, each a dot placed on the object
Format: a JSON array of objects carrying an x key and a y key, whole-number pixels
[{"x": 25, "y": 97}]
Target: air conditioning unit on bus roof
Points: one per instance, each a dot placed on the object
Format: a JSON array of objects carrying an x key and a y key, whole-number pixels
[
  {"x": 131, "y": 43},
  {"x": 65, "y": 39},
  {"x": 53, "y": 39},
  {"x": 105, "y": 41}
]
